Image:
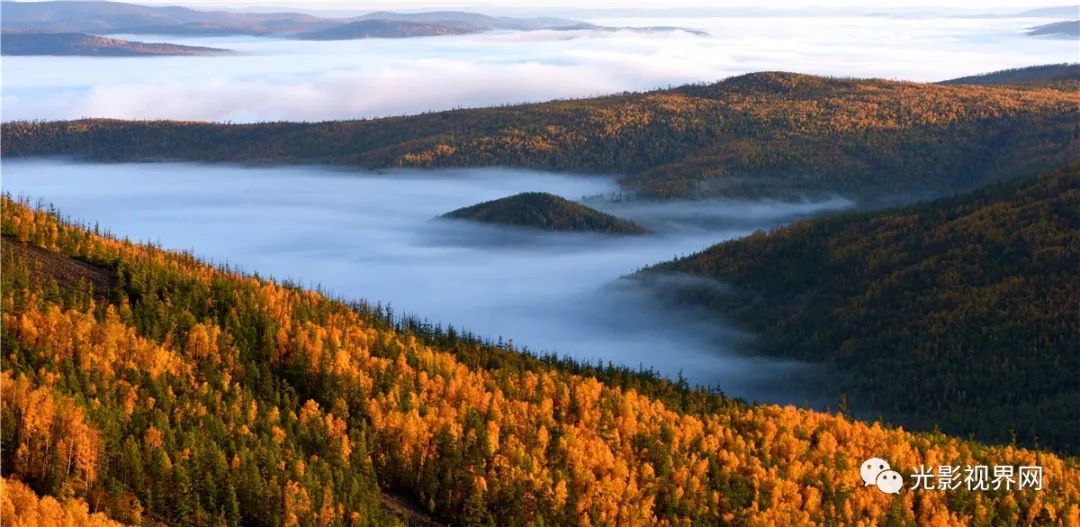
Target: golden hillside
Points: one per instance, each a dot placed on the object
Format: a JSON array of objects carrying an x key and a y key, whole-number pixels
[{"x": 149, "y": 386}]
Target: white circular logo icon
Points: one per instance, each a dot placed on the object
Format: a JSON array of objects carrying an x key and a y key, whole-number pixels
[
  {"x": 870, "y": 469},
  {"x": 890, "y": 482},
  {"x": 877, "y": 472}
]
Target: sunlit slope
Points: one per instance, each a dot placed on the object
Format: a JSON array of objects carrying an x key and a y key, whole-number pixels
[
  {"x": 20, "y": 506},
  {"x": 762, "y": 134},
  {"x": 151, "y": 385},
  {"x": 963, "y": 312},
  {"x": 541, "y": 210}
]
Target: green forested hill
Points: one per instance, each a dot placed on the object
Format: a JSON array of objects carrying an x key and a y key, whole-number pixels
[
  {"x": 546, "y": 211},
  {"x": 762, "y": 134},
  {"x": 963, "y": 312}
]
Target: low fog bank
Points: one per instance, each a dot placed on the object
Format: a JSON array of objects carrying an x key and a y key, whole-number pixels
[
  {"x": 276, "y": 79},
  {"x": 686, "y": 217},
  {"x": 372, "y": 236}
]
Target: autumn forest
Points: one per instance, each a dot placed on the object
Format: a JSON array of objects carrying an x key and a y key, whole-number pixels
[
  {"x": 142, "y": 384},
  {"x": 773, "y": 299}
]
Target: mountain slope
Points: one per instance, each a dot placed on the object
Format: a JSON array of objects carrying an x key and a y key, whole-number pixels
[
  {"x": 776, "y": 135},
  {"x": 544, "y": 211},
  {"x": 379, "y": 28},
  {"x": 98, "y": 17},
  {"x": 1065, "y": 29},
  {"x": 962, "y": 312},
  {"x": 192, "y": 395},
  {"x": 1062, "y": 74},
  {"x": 471, "y": 20},
  {"x": 90, "y": 45},
  {"x": 116, "y": 17}
]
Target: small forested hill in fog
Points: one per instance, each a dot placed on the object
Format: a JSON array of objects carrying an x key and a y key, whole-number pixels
[
  {"x": 546, "y": 211},
  {"x": 1049, "y": 74},
  {"x": 83, "y": 44},
  {"x": 776, "y": 135},
  {"x": 151, "y": 388},
  {"x": 963, "y": 312}
]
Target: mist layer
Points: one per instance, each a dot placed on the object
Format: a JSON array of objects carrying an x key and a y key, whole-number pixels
[{"x": 373, "y": 236}]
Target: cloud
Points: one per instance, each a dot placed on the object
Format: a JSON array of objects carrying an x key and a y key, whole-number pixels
[{"x": 276, "y": 79}]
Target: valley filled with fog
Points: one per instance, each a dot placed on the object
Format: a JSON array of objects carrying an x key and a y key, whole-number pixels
[
  {"x": 372, "y": 236},
  {"x": 279, "y": 79}
]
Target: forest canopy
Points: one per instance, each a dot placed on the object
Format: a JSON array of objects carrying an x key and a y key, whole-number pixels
[
  {"x": 142, "y": 385},
  {"x": 960, "y": 313},
  {"x": 775, "y": 135},
  {"x": 1052, "y": 75},
  {"x": 546, "y": 211}
]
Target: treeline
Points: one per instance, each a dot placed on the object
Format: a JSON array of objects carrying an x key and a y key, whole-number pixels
[
  {"x": 762, "y": 134},
  {"x": 546, "y": 211},
  {"x": 1062, "y": 76},
  {"x": 150, "y": 387},
  {"x": 961, "y": 313}
]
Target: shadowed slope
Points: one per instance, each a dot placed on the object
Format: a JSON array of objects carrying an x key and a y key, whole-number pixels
[
  {"x": 961, "y": 312},
  {"x": 1064, "y": 76}
]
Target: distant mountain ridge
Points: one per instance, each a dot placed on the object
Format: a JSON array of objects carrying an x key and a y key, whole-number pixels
[
  {"x": 116, "y": 17},
  {"x": 91, "y": 45},
  {"x": 1065, "y": 29},
  {"x": 471, "y": 20},
  {"x": 542, "y": 210},
  {"x": 380, "y": 28},
  {"x": 96, "y": 17},
  {"x": 1063, "y": 11},
  {"x": 1031, "y": 75}
]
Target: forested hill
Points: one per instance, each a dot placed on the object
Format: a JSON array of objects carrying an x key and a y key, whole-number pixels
[
  {"x": 962, "y": 312},
  {"x": 145, "y": 386},
  {"x": 546, "y": 211},
  {"x": 91, "y": 45},
  {"x": 1054, "y": 75},
  {"x": 763, "y": 134}
]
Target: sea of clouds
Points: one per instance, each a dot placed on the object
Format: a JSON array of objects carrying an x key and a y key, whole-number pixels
[{"x": 276, "y": 79}]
